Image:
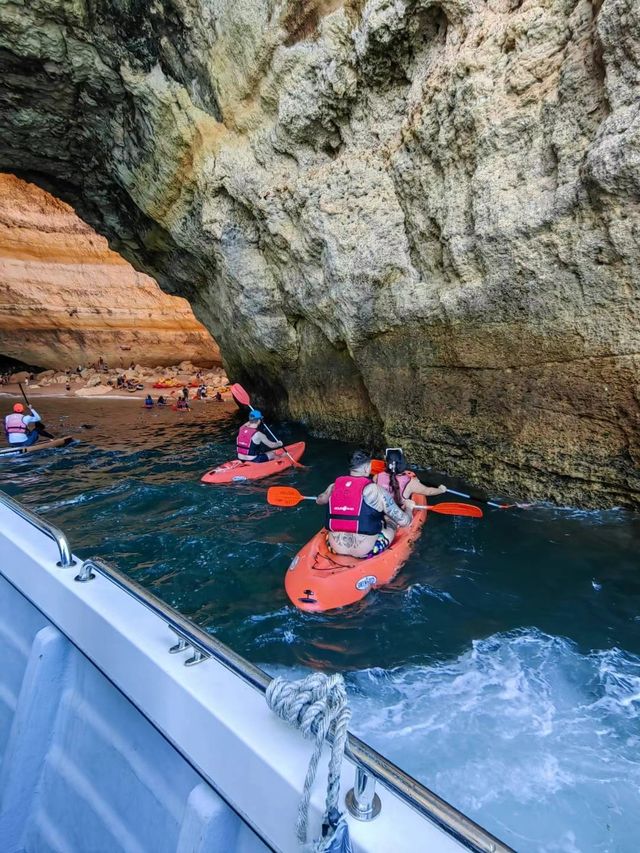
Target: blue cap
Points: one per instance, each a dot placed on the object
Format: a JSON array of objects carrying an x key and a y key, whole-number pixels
[{"x": 255, "y": 415}]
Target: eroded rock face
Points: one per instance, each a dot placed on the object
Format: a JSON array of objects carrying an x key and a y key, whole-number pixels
[
  {"x": 399, "y": 218},
  {"x": 66, "y": 299}
]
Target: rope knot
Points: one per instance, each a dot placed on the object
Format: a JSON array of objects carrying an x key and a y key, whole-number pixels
[
  {"x": 310, "y": 704},
  {"x": 316, "y": 705}
]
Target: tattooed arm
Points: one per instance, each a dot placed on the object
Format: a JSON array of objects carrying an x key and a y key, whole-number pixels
[{"x": 382, "y": 501}]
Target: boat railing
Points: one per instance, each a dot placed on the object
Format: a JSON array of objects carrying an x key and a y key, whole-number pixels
[
  {"x": 66, "y": 559},
  {"x": 362, "y": 801}
]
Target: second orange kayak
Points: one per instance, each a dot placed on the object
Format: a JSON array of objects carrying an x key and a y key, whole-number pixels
[
  {"x": 318, "y": 580},
  {"x": 237, "y": 471}
]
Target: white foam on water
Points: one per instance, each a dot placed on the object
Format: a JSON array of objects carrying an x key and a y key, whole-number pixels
[
  {"x": 526, "y": 734},
  {"x": 417, "y": 590}
]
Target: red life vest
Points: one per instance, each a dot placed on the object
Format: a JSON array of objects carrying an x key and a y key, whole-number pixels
[
  {"x": 244, "y": 442},
  {"x": 13, "y": 424},
  {"x": 348, "y": 512},
  {"x": 384, "y": 481}
]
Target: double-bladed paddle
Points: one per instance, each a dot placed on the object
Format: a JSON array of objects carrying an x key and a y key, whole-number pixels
[
  {"x": 243, "y": 398},
  {"x": 287, "y": 496}
]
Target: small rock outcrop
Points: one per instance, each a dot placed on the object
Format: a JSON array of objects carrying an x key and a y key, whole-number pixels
[
  {"x": 67, "y": 299},
  {"x": 401, "y": 219}
]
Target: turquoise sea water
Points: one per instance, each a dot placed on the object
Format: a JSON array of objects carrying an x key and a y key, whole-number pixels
[{"x": 502, "y": 667}]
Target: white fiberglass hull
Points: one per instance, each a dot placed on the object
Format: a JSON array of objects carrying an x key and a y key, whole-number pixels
[{"x": 109, "y": 743}]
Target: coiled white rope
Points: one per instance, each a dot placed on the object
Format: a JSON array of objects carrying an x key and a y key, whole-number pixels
[{"x": 317, "y": 705}]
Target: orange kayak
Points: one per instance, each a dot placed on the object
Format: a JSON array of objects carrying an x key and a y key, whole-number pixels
[
  {"x": 237, "y": 471},
  {"x": 318, "y": 580}
]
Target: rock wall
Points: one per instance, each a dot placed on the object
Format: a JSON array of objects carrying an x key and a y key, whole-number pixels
[
  {"x": 67, "y": 299},
  {"x": 405, "y": 220}
]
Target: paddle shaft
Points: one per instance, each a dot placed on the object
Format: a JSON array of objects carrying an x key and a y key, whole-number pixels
[
  {"x": 285, "y": 496},
  {"x": 378, "y": 466},
  {"x": 417, "y": 506},
  {"x": 462, "y": 495},
  {"x": 23, "y": 394},
  {"x": 283, "y": 447},
  {"x": 39, "y": 426}
]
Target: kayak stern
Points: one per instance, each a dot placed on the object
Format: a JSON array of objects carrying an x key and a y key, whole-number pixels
[{"x": 317, "y": 580}]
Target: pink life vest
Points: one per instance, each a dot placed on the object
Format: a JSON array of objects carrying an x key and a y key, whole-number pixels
[
  {"x": 245, "y": 440},
  {"x": 384, "y": 481},
  {"x": 14, "y": 424},
  {"x": 348, "y": 511}
]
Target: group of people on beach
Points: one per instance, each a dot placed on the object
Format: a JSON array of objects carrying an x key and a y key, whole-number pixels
[
  {"x": 363, "y": 510},
  {"x": 182, "y": 401}
]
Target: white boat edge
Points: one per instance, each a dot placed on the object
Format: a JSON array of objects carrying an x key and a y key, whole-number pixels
[{"x": 214, "y": 713}]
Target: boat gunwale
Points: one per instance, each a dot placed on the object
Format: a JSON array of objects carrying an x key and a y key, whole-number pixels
[{"x": 416, "y": 795}]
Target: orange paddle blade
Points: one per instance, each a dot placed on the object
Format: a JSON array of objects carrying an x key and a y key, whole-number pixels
[
  {"x": 457, "y": 509},
  {"x": 284, "y": 496},
  {"x": 240, "y": 395},
  {"x": 377, "y": 466}
]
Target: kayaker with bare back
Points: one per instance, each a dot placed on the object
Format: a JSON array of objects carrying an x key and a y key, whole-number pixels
[
  {"x": 16, "y": 426},
  {"x": 252, "y": 445},
  {"x": 360, "y": 514}
]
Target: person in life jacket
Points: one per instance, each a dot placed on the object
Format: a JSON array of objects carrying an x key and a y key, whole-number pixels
[
  {"x": 16, "y": 426},
  {"x": 360, "y": 515},
  {"x": 252, "y": 445},
  {"x": 400, "y": 483},
  {"x": 148, "y": 401}
]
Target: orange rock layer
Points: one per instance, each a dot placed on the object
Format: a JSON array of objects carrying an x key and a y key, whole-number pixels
[{"x": 67, "y": 299}]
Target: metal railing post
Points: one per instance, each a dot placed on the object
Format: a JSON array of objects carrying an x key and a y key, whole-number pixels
[{"x": 362, "y": 801}]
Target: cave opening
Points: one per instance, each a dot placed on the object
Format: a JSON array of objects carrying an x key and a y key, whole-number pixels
[{"x": 68, "y": 302}]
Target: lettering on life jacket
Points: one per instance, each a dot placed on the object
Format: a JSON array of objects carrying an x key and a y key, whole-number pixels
[{"x": 348, "y": 511}]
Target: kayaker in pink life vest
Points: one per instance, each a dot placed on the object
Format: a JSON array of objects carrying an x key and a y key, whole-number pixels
[
  {"x": 400, "y": 483},
  {"x": 360, "y": 514},
  {"x": 252, "y": 445},
  {"x": 16, "y": 426}
]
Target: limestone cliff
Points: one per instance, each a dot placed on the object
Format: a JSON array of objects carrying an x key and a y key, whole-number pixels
[
  {"x": 405, "y": 219},
  {"x": 66, "y": 299}
]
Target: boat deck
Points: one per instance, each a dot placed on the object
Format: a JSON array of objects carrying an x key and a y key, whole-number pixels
[{"x": 109, "y": 742}]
